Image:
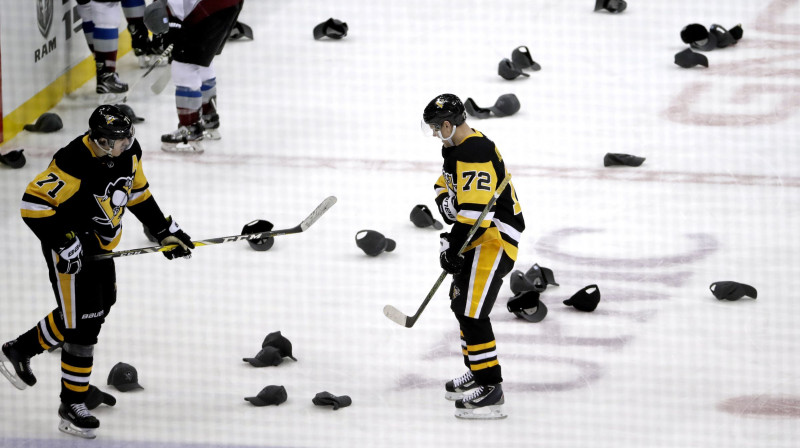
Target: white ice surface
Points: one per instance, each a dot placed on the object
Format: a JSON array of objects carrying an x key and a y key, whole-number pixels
[{"x": 660, "y": 363}]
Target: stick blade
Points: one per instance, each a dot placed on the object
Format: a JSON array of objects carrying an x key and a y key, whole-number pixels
[
  {"x": 397, "y": 316},
  {"x": 161, "y": 82},
  {"x": 319, "y": 211}
]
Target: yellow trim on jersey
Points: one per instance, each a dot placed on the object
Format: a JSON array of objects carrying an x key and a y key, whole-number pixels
[
  {"x": 53, "y": 186},
  {"x": 490, "y": 235},
  {"x": 474, "y": 134},
  {"x": 476, "y": 182},
  {"x": 53, "y": 327},
  {"x": 65, "y": 288},
  {"x": 479, "y": 347},
  {"x": 41, "y": 340},
  {"x": 72, "y": 387},
  {"x": 74, "y": 369},
  {"x": 112, "y": 244},
  {"x": 484, "y": 365},
  {"x": 488, "y": 256}
]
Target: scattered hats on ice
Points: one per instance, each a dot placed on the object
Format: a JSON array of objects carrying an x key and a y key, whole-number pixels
[
  {"x": 332, "y": 28},
  {"x": 509, "y": 70},
  {"x": 326, "y": 398},
  {"x": 688, "y": 59},
  {"x": 269, "y": 395},
  {"x": 536, "y": 279},
  {"x": 124, "y": 377},
  {"x": 526, "y": 305},
  {"x": 586, "y": 299},
  {"x": 717, "y": 36},
  {"x": 14, "y": 159},
  {"x": 278, "y": 341},
  {"x": 95, "y": 397},
  {"x": 267, "y": 356},
  {"x": 374, "y": 243},
  {"x": 612, "y": 159},
  {"x": 521, "y": 57},
  {"x": 610, "y": 5},
  {"x": 729, "y": 290},
  {"x": 507, "y": 104},
  {"x": 422, "y": 217},
  {"x": 259, "y": 226},
  {"x": 128, "y": 110},
  {"x": 47, "y": 122}
]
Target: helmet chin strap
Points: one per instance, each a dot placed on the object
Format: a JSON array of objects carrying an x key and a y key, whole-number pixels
[
  {"x": 100, "y": 147},
  {"x": 448, "y": 139}
]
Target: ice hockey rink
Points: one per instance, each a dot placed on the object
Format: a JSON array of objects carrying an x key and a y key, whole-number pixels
[{"x": 660, "y": 363}]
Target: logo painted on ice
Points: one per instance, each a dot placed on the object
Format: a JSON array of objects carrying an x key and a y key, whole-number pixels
[{"x": 44, "y": 16}]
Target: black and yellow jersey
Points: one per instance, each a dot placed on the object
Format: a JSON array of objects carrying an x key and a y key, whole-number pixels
[
  {"x": 87, "y": 194},
  {"x": 471, "y": 172}
]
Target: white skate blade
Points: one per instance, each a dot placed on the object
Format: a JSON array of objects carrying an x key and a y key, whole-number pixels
[
  {"x": 484, "y": 413},
  {"x": 11, "y": 374},
  {"x": 110, "y": 98},
  {"x": 68, "y": 428},
  {"x": 453, "y": 396},
  {"x": 212, "y": 134},
  {"x": 194, "y": 147}
]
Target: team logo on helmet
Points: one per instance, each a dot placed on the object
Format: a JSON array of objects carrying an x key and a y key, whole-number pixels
[
  {"x": 110, "y": 119},
  {"x": 439, "y": 103},
  {"x": 113, "y": 201}
]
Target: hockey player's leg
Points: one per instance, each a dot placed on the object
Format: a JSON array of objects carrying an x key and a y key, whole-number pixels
[
  {"x": 140, "y": 41},
  {"x": 188, "y": 101},
  {"x": 106, "y": 41},
  {"x": 483, "y": 403},
  {"x": 76, "y": 368},
  {"x": 16, "y": 355},
  {"x": 16, "y": 367},
  {"x": 210, "y": 115},
  {"x": 76, "y": 420}
]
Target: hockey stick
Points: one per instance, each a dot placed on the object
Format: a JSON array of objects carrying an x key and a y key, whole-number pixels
[
  {"x": 305, "y": 224},
  {"x": 164, "y": 55},
  {"x": 396, "y": 315},
  {"x": 161, "y": 82}
]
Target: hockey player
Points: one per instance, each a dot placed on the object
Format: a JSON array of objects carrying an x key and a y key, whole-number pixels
[
  {"x": 472, "y": 169},
  {"x": 75, "y": 208},
  {"x": 198, "y": 30}
]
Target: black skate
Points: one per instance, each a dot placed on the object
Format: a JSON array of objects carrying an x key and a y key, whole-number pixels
[
  {"x": 110, "y": 88},
  {"x": 22, "y": 375},
  {"x": 211, "y": 127},
  {"x": 457, "y": 387},
  {"x": 483, "y": 403},
  {"x": 76, "y": 420},
  {"x": 184, "y": 139}
]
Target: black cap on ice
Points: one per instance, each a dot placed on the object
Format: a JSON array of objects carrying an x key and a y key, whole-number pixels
[
  {"x": 422, "y": 217},
  {"x": 278, "y": 341},
  {"x": 688, "y": 59},
  {"x": 536, "y": 279},
  {"x": 729, "y": 290},
  {"x": 95, "y": 397},
  {"x": 509, "y": 70},
  {"x": 332, "y": 28},
  {"x": 14, "y": 159},
  {"x": 269, "y": 395},
  {"x": 506, "y": 104},
  {"x": 612, "y": 159},
  {"x": 586, "y": 299},
  {"x": 610, "y": 5},
  {"x": 521, "y": 57},
  {"x": 526, "y": 305},
  {"x": 47, "y": 122},
  {"x": 259, "y": 226},
  {"x": 374, "y": 243},
  {"x": 124, "y": 377},
  {"x": 128, "y": 111},
  {"x": 266, "y": 357},
  {"x": 326, "y": 398}
]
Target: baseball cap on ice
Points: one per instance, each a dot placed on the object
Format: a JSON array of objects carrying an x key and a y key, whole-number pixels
[
  {"x": 526, "y": 305},
  {"x": 269, "y": 395},
  {"x": 422, "y": 217},
  {"x": 267, "y": 356},
  {"x": 507, "y": 104},
  {"x": 522, "y": 58},
  {"x": 373, "y": 243},
  {"x": 124, "y": 377},
  {"x": 332, "y": 28},
  {"x": 509, "y": 70},
  {"x": 586, "y": 299},
  {"x": 611, "y": 159},
  {"x": 610, "y": 5},
  {"x": 277, "y": 340},
  {"x": 95, "y": 397},
  {"x": 14, "y": 159},
  {"x": 47, "y": 122},
  {"x": 688, "y": 59},
  {"x": 729, "y": 290}
]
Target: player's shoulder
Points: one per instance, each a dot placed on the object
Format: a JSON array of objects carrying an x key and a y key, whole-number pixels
[
  {"x": 476, "y": 147},
  {"x": 75, "y": 157}
]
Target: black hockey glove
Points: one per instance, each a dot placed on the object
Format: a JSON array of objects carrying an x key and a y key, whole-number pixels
[
  {"x": 174, "y": 235},
  {"x": 449, "y": 258},
  {"x": 70, "y": 254}
]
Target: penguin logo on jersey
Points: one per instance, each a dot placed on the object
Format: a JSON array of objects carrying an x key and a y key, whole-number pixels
[
  {"x": 448, "y": 180},
  {"x": 113, "y": 202}
]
